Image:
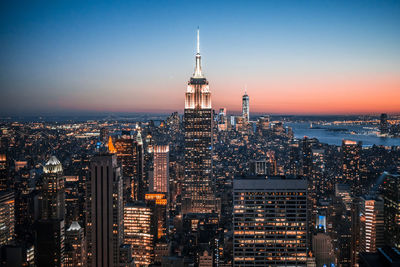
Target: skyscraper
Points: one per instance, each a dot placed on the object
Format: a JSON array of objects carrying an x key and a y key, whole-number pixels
[
  {"x": 391, "y": 196},
  {"x": 50, "y": 228},
  {"x": 3, "y": 172},
  {"x": 371, "y": 224},
  {"x": 139, "y": 185},
  {"x": 351, "y": 151},
  {"x": 269, "y": 221},
  {"x": 104, "y": 218},
  {"x": 138, "y": 232},
  {"x": 75, "y": 246},
  {"x": 198, "y": 195},
  {"x": 160, "y": 179},
  {"x": 125, "y": 157},
  {"x": 7, "y": 217},
  {"x": 245, "y": 106},
  {"x": 383, "y": 125},
  {"x": 52, "y": 197}
]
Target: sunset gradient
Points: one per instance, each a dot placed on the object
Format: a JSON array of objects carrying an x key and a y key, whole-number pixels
[{"x": 296, "y": 57}]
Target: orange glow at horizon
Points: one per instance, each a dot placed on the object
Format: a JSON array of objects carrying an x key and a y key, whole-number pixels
[{"x": 374, "y": 93}]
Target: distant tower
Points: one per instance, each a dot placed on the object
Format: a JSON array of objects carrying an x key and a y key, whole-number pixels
[
  {"x": 245, "y": 106},
  {"x": 198, "y": 193},
  {"x": 104, "y": 211},
  {"x": 384, "y": 126}
]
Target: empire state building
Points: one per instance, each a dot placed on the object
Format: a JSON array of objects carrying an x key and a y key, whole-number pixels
[{"x": 198, "y": 189}]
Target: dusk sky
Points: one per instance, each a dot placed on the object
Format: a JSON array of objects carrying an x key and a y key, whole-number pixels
[{"x": 296, "y": 57}]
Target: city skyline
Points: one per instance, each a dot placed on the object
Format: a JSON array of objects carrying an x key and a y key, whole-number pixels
[{"x": 86, "y": 58}]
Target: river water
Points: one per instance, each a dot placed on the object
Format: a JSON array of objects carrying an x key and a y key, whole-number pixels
[{"x": 327, "y": 135}]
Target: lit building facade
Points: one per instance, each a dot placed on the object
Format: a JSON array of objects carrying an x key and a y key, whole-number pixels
[
  {"x": 158, "y": 202},
  {"x": 391, "y": 196},
  {"x": 246, "y": 107},
  {"x": 7, "y": 217},
  {"x": 371, "y": 224},
  {"x": 351, "y": 165},
  {"x": 269, "y": 221},
  {"x": 160, "y": 180},
  {"x": 75, "y": 246},
  {"x": 104, "y": 207},
  {"x": 50, "y": 228},
  {"x": 198, "y": 193},
  {"x": 138, "y": 232}
]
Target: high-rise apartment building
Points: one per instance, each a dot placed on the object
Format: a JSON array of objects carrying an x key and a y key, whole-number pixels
[
  {"x": 198, "y": 189},
  {"x": 104, "y": 211},
  {"x": 269, "y": 221},
  {"x": 160, "y": 181},
  {"x": 371, "y": 224}
]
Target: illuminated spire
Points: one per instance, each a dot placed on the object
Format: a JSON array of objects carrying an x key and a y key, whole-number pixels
[
  {"x": 111, "y": 147},
  {"x": 139, "y": 138},
  {"x": 197, "y": 70}
]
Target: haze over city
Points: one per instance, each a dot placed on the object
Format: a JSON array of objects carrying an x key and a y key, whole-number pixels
[{"x": 295, "y": 57}]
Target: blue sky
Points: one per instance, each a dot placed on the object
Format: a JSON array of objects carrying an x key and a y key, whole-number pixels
[{"x": 135, "y": 55}]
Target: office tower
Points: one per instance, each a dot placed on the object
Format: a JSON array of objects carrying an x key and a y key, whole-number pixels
[
  {"x": 391, "y": 196},
  {"x": 198, "y": 193},
  {"x": 125, "y": 157},
  {"x": 323, "y": 249},
  {"x": 314, "y": 185},
  {"x": 351, "y": 151},
  {"x": 295, "y": 167},
  {"x": 160, "y": 181},
  {"x": 104, "y": 135},
  {"x": 72, "y": 199},
  {"x": 269, "y": 221},
  {"x": 3, "y": 172},
  {"x": 75, "y": 246},
  {"x": 245, "y": 107},
  {"x": 258, "y": 167},
  {"x": 52, "y": 196},
  {"x": 104, "y": 211},
  {"x": 206, "y": 259},
  {"x": 371, "y": 224},
  {"x": 7, "y": 217},
  {"x": 173, "y": 121},
  {"x": 383, "y": 125},
  {"x": 138, "y": 232},
  {"x": 318, "y": 172},
  {"x": 307, "y": 146},
  {"x": 271, "y": 163},
  {"x": 50, "y": 228},
  {"x": 384, "y": 257},
  {"x": 139, "y": 184},
  {"x": 158, "y": 203}
]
